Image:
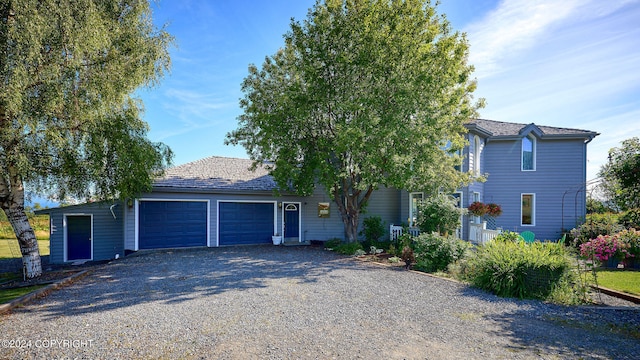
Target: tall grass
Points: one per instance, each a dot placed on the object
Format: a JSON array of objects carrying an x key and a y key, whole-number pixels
[{"x": 517, "y": 269}]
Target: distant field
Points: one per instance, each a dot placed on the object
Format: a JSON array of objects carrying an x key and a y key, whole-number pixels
[
  {"x": 9, "y": 245},
  {"x": 9, "y": 248}
]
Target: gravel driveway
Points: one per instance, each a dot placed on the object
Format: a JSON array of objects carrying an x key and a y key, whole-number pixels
[{"x": 270, "y": 302}]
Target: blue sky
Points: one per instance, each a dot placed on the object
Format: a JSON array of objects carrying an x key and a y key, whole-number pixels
[{"x": 569, "y": 63}]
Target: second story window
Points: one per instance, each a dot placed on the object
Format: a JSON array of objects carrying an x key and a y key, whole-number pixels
[
  {"x": 476, "y": 155},
  {"x": 528, "y": 153}
]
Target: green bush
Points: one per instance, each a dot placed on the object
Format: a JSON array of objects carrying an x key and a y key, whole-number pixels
[
  {"x": 516, "y": 269},
  {"x": 595, "y": 224},
  {"x": 332, "y": 243},
  {"x": 630, "y": 219},
  {"x": 348, "y": 248},
  {"x": 439, "y": 213},
  {"x": 373, "y": 228},
  {"x": 434, "y": 252},
  {"x": 508, "y": 236}
]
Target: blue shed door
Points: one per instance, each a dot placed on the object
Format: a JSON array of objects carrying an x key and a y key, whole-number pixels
[
  {"x": 78, "y": 237},
  {"x": 245, "y": 223},
  {"x": 172, "y": 224}
]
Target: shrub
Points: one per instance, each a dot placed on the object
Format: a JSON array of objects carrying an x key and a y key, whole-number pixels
[
  {"x": 373, "y": 228},
  {"x": 630, "y": 219},
  {"x": 332, "y": 243},
  {"x": 631, "y": 240},
  {"x": 516, "y": 269},
  {"x": 438, "y": 213},
  {"x": 596, "y": 224},
  {"x": 508, "y": 236},
  {"x": 434, "y": 252},
  {"x": 348, "y": 248},
  {"x": 603, "y": 248}
]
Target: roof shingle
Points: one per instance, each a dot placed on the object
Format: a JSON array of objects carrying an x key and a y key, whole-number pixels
[{"x": 217, "y": 173}]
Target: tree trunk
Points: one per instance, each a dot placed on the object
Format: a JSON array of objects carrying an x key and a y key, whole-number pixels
[
  {"x": 12, "y": 203},
  {"x": 351, "y": 226},
  {"x": 349, "y": 204}
]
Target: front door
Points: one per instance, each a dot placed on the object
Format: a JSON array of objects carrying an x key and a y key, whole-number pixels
[
  {"x": 291, "y": 221},
  {"x": 79, "y": 237}
]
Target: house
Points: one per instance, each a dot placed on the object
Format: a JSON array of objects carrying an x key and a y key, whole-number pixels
[{"x": 536, "y": 173}]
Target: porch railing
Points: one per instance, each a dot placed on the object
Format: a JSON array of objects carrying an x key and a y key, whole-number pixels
[
  {"x": 395, "y": 231},
  {"x": 479, "y": 234}
]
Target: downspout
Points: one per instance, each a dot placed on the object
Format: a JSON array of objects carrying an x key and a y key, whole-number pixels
[{"x": 111, "y": 209}]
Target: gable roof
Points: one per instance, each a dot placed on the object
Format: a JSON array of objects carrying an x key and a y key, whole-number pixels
[
  {"x": 216, "y": 173},
  {"x": 505, "y": 130}
]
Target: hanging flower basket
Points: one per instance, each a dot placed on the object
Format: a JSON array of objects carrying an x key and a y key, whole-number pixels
[
  {"x": 493, "y": 210},
  {"x": 477, "y": 208}
]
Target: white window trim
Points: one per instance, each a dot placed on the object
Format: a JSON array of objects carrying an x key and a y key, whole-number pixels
[
  {"x": 534, "y": 146},
  {"x": 476, "y": 219},
  {"x": 476, "y": 155},
  {"x": 411, "y": 215},
  {"x": 533, "y": 209}
]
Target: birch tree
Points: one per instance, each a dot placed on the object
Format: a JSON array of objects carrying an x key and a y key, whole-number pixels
[
  {"x": 363, "y": 94},
  {"x": 69, "y": 124}
]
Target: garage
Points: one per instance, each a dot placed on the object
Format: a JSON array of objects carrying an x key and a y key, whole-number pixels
[
  {"x": 243, "y": 223},
  {"x": 172, "y": 224}
]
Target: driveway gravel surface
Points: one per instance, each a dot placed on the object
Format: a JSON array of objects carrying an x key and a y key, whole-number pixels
[{"x": 267, "y": 302}]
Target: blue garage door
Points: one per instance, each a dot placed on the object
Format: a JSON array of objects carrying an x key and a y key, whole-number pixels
[
  {"x": 170, "y": 224},
  {"x": 245, "y": 223}
]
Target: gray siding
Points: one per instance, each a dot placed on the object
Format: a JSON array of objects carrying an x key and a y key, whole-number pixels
[
  {"x": 560, "y": 173},
  {"x": 384, "y": 203},
  {"x": 107, "y": 230}
]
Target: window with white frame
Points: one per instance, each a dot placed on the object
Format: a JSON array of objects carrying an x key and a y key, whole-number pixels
[
  {"x": 414, "y": 199},
  {"x": 476, "y": 219},
  {"x": 528, "y": 209},
  {"x": 476, "y": 155},
  {"x": 528, "y": 153}
]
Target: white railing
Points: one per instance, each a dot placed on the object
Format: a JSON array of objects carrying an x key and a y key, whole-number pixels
[
  {"x": 395, "y": 231},
  {"x": 479, "y": 234}
]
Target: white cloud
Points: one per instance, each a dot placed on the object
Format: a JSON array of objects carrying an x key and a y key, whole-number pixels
[{"x": 514, "y": 26}]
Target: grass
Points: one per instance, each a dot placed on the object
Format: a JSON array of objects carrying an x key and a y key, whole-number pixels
[
  {"x": 9, "y": 245},
  {"x": 10, "y": 294},
  {"x": 625, "y": 281},
  {"x": 9, "y": 248}
]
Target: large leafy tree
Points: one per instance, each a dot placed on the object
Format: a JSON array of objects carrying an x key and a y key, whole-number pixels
[
  {"x": 68, "y": 122},
  {"x": 621, "y": 175},
  {"x": 364, "y": 94}
]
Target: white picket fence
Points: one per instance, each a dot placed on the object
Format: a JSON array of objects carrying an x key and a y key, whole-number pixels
[
  {"x": 395, "y": 231},
  {"x": 478, "y": 233}
]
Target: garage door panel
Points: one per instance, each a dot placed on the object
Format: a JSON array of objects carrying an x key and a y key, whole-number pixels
[
  {"x": 168, "y": 224},
  {"x": 245, "y": 223}
]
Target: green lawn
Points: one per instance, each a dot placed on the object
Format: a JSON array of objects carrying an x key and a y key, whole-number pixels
[
  {"x": 10, "y": 294},
  {"x": 625, "y": 281}
]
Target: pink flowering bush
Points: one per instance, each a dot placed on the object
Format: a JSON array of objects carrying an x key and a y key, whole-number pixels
[{"x": 605, "y": 247}]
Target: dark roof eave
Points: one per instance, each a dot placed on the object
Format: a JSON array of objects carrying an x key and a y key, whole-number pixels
[
  {"x": 477, "y": 129},
  {"x": 586, "y": 136}
]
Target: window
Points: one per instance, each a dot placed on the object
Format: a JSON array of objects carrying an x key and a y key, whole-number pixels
[
  {"x": 528, "y": 153},
  {"x": 476, "y": 219},
  {"x": 414, "y": 198},
  {"x": 528, "y": 209},
  {"x": 476, "y": 155}
]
